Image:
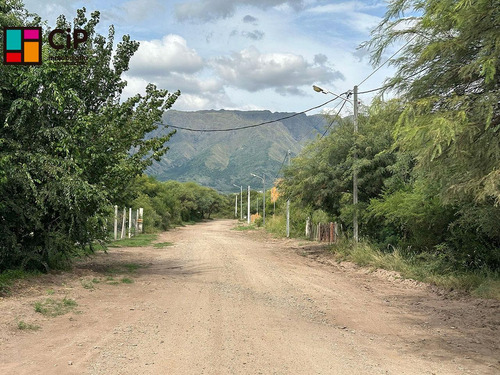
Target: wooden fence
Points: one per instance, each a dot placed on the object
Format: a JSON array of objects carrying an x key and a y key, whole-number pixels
[{"x": 322, "y": 232}]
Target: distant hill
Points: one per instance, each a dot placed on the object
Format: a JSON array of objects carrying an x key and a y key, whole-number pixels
[{"x": 221, "y": 159}]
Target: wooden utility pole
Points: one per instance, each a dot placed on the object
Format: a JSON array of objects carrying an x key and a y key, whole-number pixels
[
  {"x": 354, "y": 169},
  {"x": 288, "y": 207}
]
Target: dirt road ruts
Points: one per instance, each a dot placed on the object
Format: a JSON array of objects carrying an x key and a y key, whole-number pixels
[{"x": 221, "y": 301}]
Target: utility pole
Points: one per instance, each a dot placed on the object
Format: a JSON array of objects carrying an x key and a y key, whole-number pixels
[
  {"x": 264, "y": 200},
  {"x": 236, "y": 205},
  {"x": 355, "y": 156},
  {"x": 288, "y": 207},
  {"x": 248, "y": 206},
  {"x": 354, "y": 169},
  {"x": 241, "y": 202}
]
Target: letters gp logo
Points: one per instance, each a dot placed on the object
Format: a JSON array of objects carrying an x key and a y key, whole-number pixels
[{"x": 22, "y": 46}]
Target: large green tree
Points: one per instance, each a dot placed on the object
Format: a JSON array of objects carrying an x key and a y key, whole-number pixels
[
  {"x": 449, "y": 74},
  {"x": 70, "y": 145},
  {"x": 320, "y": 178}
]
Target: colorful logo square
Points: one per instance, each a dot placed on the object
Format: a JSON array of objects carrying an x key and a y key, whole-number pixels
[{"x": 22, "y": 45}]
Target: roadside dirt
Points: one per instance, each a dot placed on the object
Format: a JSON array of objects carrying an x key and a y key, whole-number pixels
[{"x": 221, "y": 301}]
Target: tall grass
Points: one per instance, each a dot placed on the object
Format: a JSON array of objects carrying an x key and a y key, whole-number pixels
[
  {"x": 276, "y": 225},
  {"x": 427, "y": 268}
]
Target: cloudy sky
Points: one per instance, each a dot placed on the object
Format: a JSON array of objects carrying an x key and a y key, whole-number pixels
[{"x": 240, "y": 54}]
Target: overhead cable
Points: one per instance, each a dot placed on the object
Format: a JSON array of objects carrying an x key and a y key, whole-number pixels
[{"x": 249, "y": 126}]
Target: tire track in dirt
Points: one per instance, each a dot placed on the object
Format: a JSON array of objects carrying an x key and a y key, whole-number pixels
[{"x": 226, "y": 302}]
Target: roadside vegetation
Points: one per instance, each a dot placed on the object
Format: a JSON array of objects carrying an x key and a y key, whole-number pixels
[
  {"x": 171, "y": 203},
  {"x": 428, "y": 160},
  {"x": 71, "y": 148}
]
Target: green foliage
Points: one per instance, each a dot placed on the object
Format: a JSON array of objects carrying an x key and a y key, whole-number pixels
[
  {"x": 51, "y": 307},
  {"x": 139, "y": 240},
  {"x": 416, "y": 213},
  {"x": 320, "y": 178},
  {"x": 422, "y": 267},
  {"x": 450, "y": 78},
  {"x": 172, "y": 203},
  {"x": 161, "y": 245},
  {"x": 23, "y": 326},
  {"x": 320, "y": 216},
  {"x": 276, "y": 224},
  {"x": 428, "y": 163},
  {"x": 69, "y": 146},
  {"x": 241, "y": 227}
]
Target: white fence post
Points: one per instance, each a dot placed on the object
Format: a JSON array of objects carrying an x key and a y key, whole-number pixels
[
  {"x": 124, "y": 218},
  {"x": 137, "y": 221},
  {"x": 130, "y": 222},
  {"x": 140, "y": 220},
  {"x": 116, "y": 223}
]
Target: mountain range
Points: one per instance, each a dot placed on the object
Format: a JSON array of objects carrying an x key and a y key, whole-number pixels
[{"x": 221, "y": 159}]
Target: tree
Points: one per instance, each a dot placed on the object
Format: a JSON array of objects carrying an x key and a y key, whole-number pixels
[
  {"x": 321, "y": 176},
  {"x": 449, "y": 75},
  {"x": 70, "y": 145}
]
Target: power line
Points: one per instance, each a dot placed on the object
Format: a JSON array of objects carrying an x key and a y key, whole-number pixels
[
  {"x": 281, "y": 167},
  {"x": 372, "y": 90},
  {"x": 386, "y": 61},
  {"x": 314, "y": 129},
  {"x": 333, "y": 120},
  {"x": 249, "y": 126}
]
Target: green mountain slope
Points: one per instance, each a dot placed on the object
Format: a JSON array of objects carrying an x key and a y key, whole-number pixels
[{"x": 221, "y": 159}]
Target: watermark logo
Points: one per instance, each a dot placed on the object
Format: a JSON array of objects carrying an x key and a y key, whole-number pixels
[{"x": 22, "y": 45}]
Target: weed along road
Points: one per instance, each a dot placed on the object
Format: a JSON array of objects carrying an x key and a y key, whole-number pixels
[{"x": 214, "y": 300}]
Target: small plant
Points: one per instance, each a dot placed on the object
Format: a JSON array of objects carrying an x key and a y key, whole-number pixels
[
  {"x": 127, "y": 280},
  {"x": 244, "y": 227},
  {"x": 50, "y": 292},
  {"x": 110, "y": 280},
  {"x": 140, "y": 240},
  {"x": 131, "y": 267},
  {"x": 161, "y": 245},
  {"x": 87, "y": 284},
  {"x": 23, "y": 326},
  {"x": 51, "y": 307}
]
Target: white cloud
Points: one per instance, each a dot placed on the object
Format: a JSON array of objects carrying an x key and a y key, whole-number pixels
[
  {"x": 352, "y": 13},
  {"x": 347, "y": 7},
  {"x": 207, "y": 10},
  {"x": 254, "y": 71},
  {"x": 139, "y": 10},
  {"x": 135, "y": 85},
  {"x": 163, "y": 57}
]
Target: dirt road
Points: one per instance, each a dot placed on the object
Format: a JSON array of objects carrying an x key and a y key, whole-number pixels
[{"x": 221, "y": 301}]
